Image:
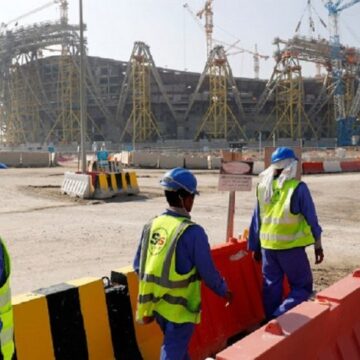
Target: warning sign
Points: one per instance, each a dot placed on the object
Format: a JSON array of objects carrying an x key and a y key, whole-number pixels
[{"x": 233, "y": 176}]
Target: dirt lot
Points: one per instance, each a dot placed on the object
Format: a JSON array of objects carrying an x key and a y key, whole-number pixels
[{"x": 53, "y": 238}]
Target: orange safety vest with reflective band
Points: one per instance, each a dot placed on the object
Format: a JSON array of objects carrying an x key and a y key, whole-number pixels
[
  {"x": 161, "y": 289},
  {"x": 6, "y": 314},
  {"x": 280, "y": 229}
]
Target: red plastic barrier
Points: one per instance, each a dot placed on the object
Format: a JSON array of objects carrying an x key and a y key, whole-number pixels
[
  {"x": 343, "y": 327},
  {"x": 328, "y": 328},
  {"x": 313, "y": 167},
  {"x": 219, "y": 322},
  {"x": 350, "y": 165}
]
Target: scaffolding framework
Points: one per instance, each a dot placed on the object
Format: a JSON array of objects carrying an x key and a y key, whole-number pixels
[
  {"x": 291, "y": 119},
  {"x": 39, "y": 85},
  {"x": 219, "y": 121},
  {"x": 286, "y": 83},
  {"x": 141, "y": 125},
  {"x": 321, "y": 113},
  {"x": 27, "y": 114},
  {"x": 39, "y": 93}
]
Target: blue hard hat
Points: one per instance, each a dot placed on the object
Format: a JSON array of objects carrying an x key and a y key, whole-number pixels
[
  {"x": 179, "y": 178},
  {"x": 282, "y": 153}
]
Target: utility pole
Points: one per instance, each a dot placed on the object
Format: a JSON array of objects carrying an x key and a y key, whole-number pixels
[{"x": 83, "y": 113}]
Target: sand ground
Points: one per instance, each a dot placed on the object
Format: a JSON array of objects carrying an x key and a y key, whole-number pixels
[{"x": 53, "y": 238}]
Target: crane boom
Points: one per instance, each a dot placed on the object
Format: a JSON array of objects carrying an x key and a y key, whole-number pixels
[
  {"x": 207, "y": 10},
  {"x": 42, "y": 7},
  {"x": 256, "y": 57},
  {"x": 187, "y": 7},
  {"x": 345, "y": 6}
]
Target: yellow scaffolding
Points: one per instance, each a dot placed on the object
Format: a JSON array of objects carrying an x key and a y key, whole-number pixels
[
  {"x": 219, "y": 121},
  {"x": 291, "y": 119},
  {"x": 15, "y": 133},
  {"x": 141, "y": 124},
  {"x": 23, "y": 121},
  {"x": 67, "y": 126}
]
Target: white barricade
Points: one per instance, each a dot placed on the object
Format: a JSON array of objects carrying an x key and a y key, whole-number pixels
[
  {"x": 77, "y": 185},
  {"x": 214, "y": 162},
  {"x": 170, "y": 162},
  {"x": 332, "y": 166},
  {"x": 196, "y": 162}
]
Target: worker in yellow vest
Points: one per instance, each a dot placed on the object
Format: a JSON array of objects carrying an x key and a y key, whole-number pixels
[
  {"x": 284, "y": 223},
  {"x": 172, "y": 258},
  {"x": 6, "y": 314}
]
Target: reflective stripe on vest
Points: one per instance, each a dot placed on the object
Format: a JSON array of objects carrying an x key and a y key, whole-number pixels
[
  {"x": 277, "y": 237},
  {"x": 270, "y": 220},
  {"x": 174, "y": 296},
  {"x": 6, "y": 315},
  {"x": 280, "y": 229},
  {"x": 6, "y": 335},
  {"x": 5, "y": 299},
  {"x": 174, "y": 300},
  {"x": 168, "y": 283}
]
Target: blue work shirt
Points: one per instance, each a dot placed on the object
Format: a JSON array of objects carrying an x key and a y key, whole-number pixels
[
  {"x": 193, "y": 250},
  {"x": 301, "y": 203}
]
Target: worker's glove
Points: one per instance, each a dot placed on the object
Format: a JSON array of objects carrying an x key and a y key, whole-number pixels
[
  {"x": 257, "y": 255},
  {"x": 228, "y": 297},
  {"x": 319, "y": 255},
  {"x": 146, "y": 320}
]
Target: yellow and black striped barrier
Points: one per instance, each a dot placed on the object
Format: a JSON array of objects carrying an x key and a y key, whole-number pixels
[
  {"x": 84, "y": 319},
  {"x": 148, "y": 339},
  {"x": 107, "y": 185},
  {"x": 65, "y": 321}
]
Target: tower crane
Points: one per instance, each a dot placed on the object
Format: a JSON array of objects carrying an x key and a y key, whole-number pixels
[
  {"x": 207, "y": 10},
  {"x": 344, "y": 124},
  {"x": 256, "y": 57},
  {"x": 209, "y": 25}
]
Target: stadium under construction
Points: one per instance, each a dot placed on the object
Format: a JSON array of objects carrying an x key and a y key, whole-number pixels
[{"x": 135, "y": 101}]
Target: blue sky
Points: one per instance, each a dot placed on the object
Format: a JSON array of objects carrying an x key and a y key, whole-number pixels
[{"x": 176, "y": 40}]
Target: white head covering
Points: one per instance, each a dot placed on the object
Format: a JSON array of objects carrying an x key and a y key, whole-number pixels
[{"x": 267, "y": 176}]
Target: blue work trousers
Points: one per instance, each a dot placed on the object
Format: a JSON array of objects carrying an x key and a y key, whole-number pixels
[
  {"x": 293, "y": 263},
  {"x": 176, "y": 339}
]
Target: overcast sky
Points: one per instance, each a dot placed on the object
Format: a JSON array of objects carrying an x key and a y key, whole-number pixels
[{"x": 176, "y": 40}]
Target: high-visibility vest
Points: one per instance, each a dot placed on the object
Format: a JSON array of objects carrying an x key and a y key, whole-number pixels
[
  {"x": 161, "y": 289},
  {"x": 280, "y": 229},
  {"x": 6, "y": 314}
]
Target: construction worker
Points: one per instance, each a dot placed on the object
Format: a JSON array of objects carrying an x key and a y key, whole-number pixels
[
  {"x": 172, "y": 258},
  {"x": 284, "y": 223},
  {"x": 6, "y": 314}
]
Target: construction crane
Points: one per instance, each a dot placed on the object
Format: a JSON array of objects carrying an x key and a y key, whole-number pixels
[
  {"x": 209, "y": 25},
  {"x": 256, "y": 57},
  {"x": 311, "y": 29},
  {"x": 344, "y": 124},
  {"x": 310, "y": 9},
  {"x": 63, "y": 3}
]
